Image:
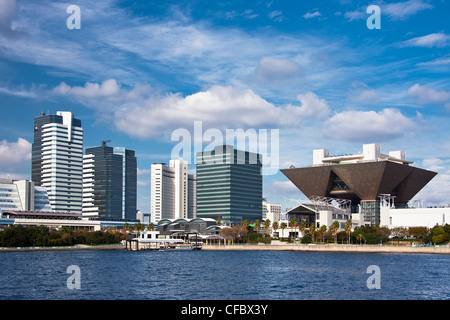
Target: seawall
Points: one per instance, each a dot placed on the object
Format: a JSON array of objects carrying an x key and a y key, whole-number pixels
[{"x": 332, "y": 248}]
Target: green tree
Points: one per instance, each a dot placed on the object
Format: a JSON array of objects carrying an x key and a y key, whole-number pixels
[
  {"x": 312, "y": 230},
  {"x": 323, "y": 231},
  {"x": 275, "y": 226},
  {"x": 348, "y": 229},
  {"x": 302, "y": 227},
  {"x": 292, "y": 224},
  {"x": 283, "y": 226},
  {"x": 360, "y": 237},
  {"x": 257, "y": 225},
  {"x": 335, "y": 228},
  {"x": 267, "y": 225}
]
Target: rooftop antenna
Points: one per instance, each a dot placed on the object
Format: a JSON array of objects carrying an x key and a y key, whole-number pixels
[{"x": 104, "y": 142}]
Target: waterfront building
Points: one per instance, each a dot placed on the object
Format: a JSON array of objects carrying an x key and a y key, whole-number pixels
[
  {"x": 173, "y": 191},
  {"x": 271, "y": 211},
  {"x": 109, "y": 183},
  {"x": 229, "y": 185},
  {"x": 364, "y": 179},
  {"x": 143, "y": 217},
  {"x": 57, "y": 159},
  {"x": 23, "y": 195}
]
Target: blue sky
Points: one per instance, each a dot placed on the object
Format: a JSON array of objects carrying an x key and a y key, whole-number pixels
[{"x": 138, "y": 70}]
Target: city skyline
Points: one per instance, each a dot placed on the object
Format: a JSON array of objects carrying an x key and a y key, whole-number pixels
[{"x": 134, "y": 73}]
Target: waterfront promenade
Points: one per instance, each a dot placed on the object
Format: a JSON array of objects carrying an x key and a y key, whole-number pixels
[
  {"x": 332, "y": 248},
  {"x": 264, "y": 247}
]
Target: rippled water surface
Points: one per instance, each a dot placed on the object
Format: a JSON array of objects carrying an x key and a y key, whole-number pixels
[{"x": 222, "y": 275}]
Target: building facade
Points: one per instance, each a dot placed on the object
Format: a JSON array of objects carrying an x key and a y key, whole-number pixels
[
  {"x": 57, "y": 159},
  {"x": 109, "y": 183},
  {"x": 364, "y": 179},
  {"x": 23, "y": 195},
  {"x": 271, "y": 211},
  {"x": 229, "y": 185},
  {"x": 173, "y": 191}
]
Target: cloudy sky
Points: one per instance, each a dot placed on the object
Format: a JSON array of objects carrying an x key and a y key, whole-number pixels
[{"x": 136, "y": 71}]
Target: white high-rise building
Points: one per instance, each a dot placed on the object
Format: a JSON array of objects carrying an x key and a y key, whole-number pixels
[
  {"x": 172, "y": 191},
  {"x": 22, "y": 195},
  {"x": 57, "y": 159},
  {"x": 271, "y": 211}
]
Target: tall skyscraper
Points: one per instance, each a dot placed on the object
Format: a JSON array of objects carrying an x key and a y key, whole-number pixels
[
  {"x": 57, "y": 159},
  {"x": 172, "y": 191},
  {"x": 109, "y": 183},
  {"x": 229, "y": 185}
]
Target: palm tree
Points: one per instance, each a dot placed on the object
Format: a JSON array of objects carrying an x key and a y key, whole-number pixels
[
  {"x": 334, "y": 228},
  {"x": 266, "y": 225},
  {"x": 323, "y": 231},
  {"x": 348, "y": 229},
  {"x": 293, "y": 224},
  {"x": 275, "y": 226},
  {"x": 283, "y": 226},
  {"x": 302, "y": 226},
  {"x": 360, "y": 237},
  {"x": 150, "y": 226},
  {"x": 257, "y": 225},
  {"x": 312, "y": 229}
]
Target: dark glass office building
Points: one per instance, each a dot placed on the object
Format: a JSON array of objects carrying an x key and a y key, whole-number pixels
[
  {"x": 229, "y": 185},
  {"x": 109, "y": 183}
]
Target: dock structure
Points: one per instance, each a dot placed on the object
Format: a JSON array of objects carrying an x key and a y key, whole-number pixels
[
  {"x": 139, "y": 244},
  {"x": 150, "y": 241}
]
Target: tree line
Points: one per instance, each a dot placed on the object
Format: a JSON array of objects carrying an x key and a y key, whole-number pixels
[
  {"x": 245, "y": 233},
  {"x": 42, "y": 236}
]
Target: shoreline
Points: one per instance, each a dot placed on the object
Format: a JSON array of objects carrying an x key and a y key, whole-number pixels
[
  {"x": 67, "y": 248},
  {"x": 331, "y": 248},
  {"x": 262, "y": 247}
]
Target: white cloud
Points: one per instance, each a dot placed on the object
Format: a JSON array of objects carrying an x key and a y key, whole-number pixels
[
  {"x": 439, "y": 62},
  {"x": 107, "y": 88},
  {"x": 272, "y": 69},
  {"x": 285, "y": 188},
  {"x": 276, "y": 16},
  {"x": 362, "y": 93},
  {"x": 433, "y": 164},
  {"x": 19, "y": 92},
  {"x": 402, "y": 10},
  {"x": 429, "y": 41},
  {"x": 219, "y": 107},
  {"x": 356, "y": 14},
  {"x": 8, "y": 11},
  {"x": 368, "y": 126},
  {"x": 142, "y": 112},
  {"x": 311, "y": 107},
  {"x": 13, "y": 154},
  {"x": 425, "y": 95},
  {"x": 437, "y": 191},
  {"x": 310, "y": 15},
  {"x": 395, "y": 11}
]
